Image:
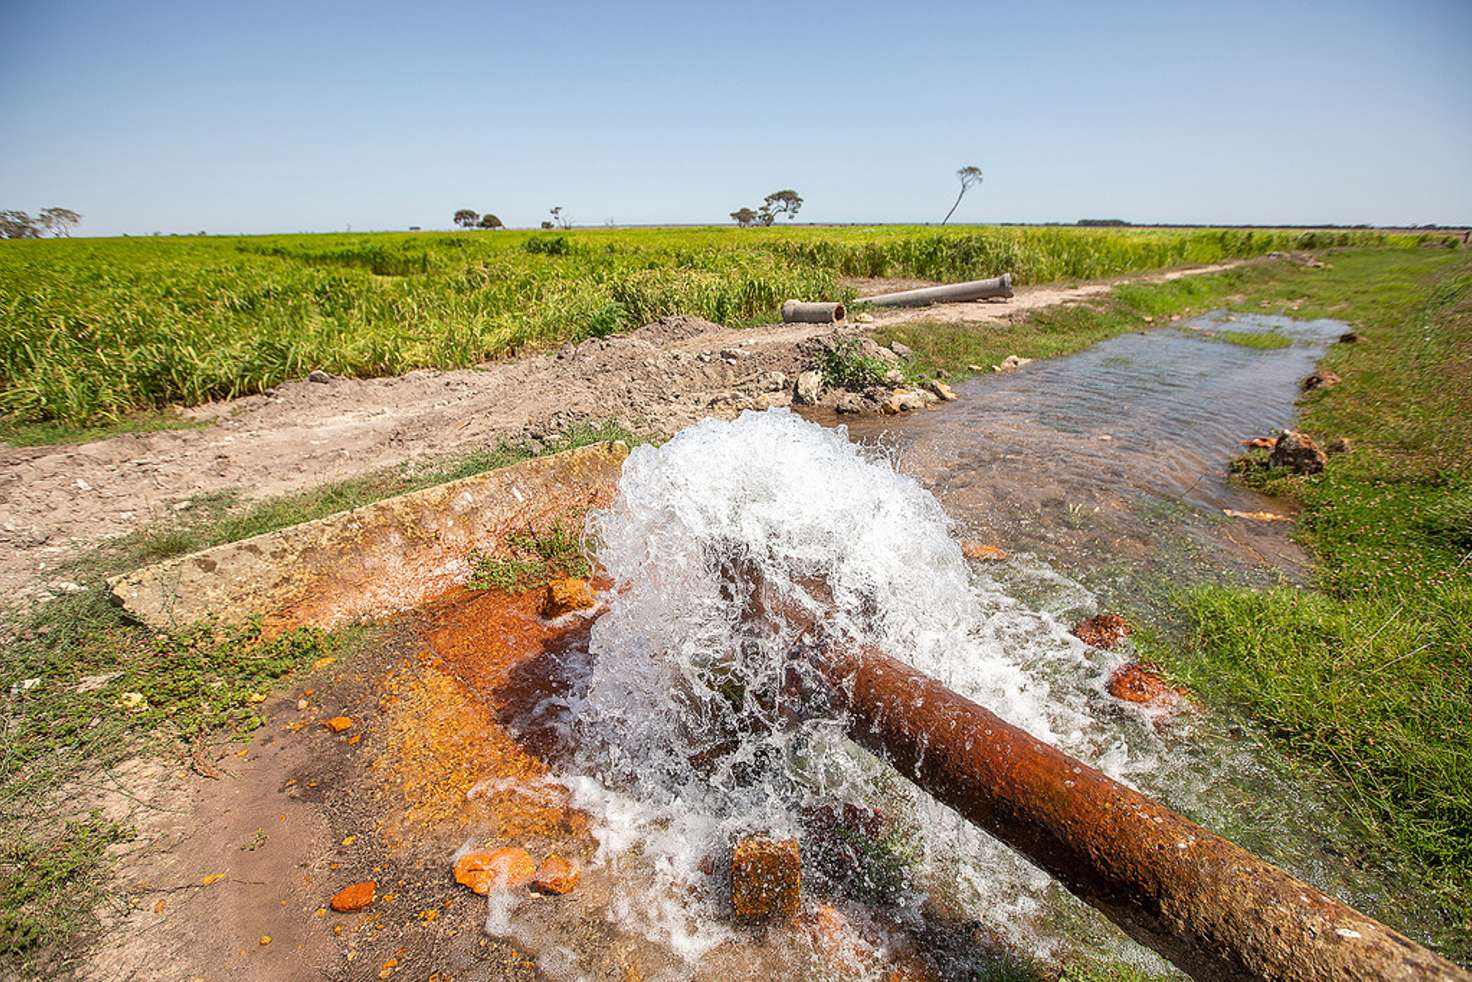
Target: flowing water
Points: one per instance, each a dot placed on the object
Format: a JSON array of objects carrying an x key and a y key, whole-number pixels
[{"x": 1102, "y": 473}]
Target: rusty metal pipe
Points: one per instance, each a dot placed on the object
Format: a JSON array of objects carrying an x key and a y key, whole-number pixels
[
  {"x": 1212, "y": 908},
  {"x": 797, "y": 312},
  {"x": 1000, "y": 286}
]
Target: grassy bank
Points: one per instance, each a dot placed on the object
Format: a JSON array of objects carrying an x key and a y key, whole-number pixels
[
  {"x": 99, "y": 329},
  {"x": 1369, "y": 676},
  {"x": 85, "y": 688}
]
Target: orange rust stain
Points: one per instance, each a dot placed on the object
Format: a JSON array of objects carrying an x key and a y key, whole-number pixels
[{"x": 484, "y": 655}]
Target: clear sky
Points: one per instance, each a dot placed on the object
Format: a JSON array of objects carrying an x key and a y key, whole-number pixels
[{"x": 308, "y": 116}]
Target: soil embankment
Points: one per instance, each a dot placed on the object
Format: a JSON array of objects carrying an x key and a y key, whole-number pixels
[{"x": 655, "y": 380}]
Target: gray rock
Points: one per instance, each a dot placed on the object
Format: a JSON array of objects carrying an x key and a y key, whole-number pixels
[
  {"x": 852, "y": 402},
  {"x": 903, "y": 350},
  {"x": 809, "y": 387},
  {"x": 317, "y": 375},
  {"x": 771, "y": 382}
]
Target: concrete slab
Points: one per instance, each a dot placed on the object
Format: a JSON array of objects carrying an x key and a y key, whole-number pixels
[{"x": 372, "y": 561}]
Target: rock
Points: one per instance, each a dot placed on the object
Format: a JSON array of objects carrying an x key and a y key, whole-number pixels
[
  {"x": 894, "y": 377},
  {"x": 975, "y": 368},
  {"x": 865, "y": 318},
  {"x": 982, "y": 552},
  {"x": 354, "y": 898},
  {"x": 1102, "y": 630},
  {"x": 556, "y": 875},
  {"x": 766, "y": 878},
  {"x": 90, "y": 683},
  {"x": 1136, "y": 682},
  {"x": 809, "y": 387},
  {"x": 67, "y": 586},
  {"x": 134, "y": 702},
  {"x": 1011, "y": 363},
  {"x": 903, "y": 350},
  {"x": 1259, "y": 442},
  {"x": 338, "y": 723},
  {"x": 942, "y": 391},
  {"x": 1351, "y": 337},
  {"x": 840, "y": 944},
  {"x": 1320, "y": 380},
  {"x": 771, "y": 382},
  {"x": 733, "y": 354},
  {"x": 301, "y": 705},
  {"x": 566, "y": 595},
  {"x": 869, "y": 348},
  {"x": 1341, "y": 445},
  {"x": 902, "y": 401},
  {"x": 851, "y": 402},
  {"x": 505, "y": 868},
  {"x": 1298, "y": 452},
  {"x": 317, "y": 375},
  {"x": 566, "y": 351}
]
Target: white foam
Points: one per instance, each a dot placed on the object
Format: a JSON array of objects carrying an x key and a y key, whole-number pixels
[{"x": 771, "y": 505}]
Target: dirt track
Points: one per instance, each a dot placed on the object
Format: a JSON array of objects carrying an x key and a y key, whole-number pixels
[{"x": 55, "y": 500}]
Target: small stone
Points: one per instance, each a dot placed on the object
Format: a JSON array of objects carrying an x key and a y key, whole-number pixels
[
  {"x": 556, "y": 875},
  {"x": 338, "y": 723},
  {"x": 1136, "y": 682},
  {"x": 771, "y": 382},
  {"x": 67, "y": 586},
  {"x": 1011, "y": 363},
  {"x": 1341, "y": 445},
  {"x": 354, "y": 898},
  {"x": 865, "y": 318},
  {"x": 942, "y": 391},
  {"x": 903, "y": 350},
  {"x": 982, "y": 552},
  {"x": 90, "y": 683},
  {"x": 894, "y": 377},
  {"x": 902, "y": 401},
  {"x": 1351, "y": 337},
  {"x": 265, "y": 940},
  {"x": 975, "y": 368},
  {"x": 565, "y": 596},
  {"x": 809, "y": 387},
  {"x": 851, "y": 402},
  {"x": 319, "y": 376},
  {"x": 766, "y": 877},
  {"x": 507, "y": 868},
  {"x": 301, "y": 705},
  {"x": 1320, "y": 380},
  {"x": 1259, "y": 442},
  {"x": 1102, "y": 630},
  {"x": 1298, "y": 452}
]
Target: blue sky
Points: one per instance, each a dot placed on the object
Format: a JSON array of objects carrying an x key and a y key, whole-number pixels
[{"x": 308, "y": 116}]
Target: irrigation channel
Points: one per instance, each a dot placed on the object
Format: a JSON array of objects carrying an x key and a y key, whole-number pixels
[{"x": 665, "y": 720}]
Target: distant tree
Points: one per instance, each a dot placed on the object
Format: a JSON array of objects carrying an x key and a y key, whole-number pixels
[
  {"x": 547, "y": 224},
  {"x": 415, "y": 228},
  {"x": 59, "y": 221},
  {"x": 785, "y": 202},
  {"x": 969, "y": 177},
  {"x": 563, "y": 221},
  {"x": 19, "y": 225},
  {"x": 466, "y": 218},
  {"x": 744, "y": 217},
  {"x": 490, "y": 221}
]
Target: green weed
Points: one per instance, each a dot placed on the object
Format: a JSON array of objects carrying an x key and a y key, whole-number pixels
[
  {"x": 534, "y": 558},
  {"x": 844, "y": 365}
]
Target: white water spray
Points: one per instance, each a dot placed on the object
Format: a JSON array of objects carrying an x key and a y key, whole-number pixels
[{"x": 723, "y": 544}]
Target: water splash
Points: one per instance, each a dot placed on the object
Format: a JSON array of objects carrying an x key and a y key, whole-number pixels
[{"x": 725, "y": 546}]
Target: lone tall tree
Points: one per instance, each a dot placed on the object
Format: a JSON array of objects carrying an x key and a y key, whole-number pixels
[
  {"x": 784, "y": 202},
  {"x": 968, "y": 176},
  {"x": 466, "y": 218}
]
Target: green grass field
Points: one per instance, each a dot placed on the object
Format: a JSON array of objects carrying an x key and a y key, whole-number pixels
[{"x": 101, "y": 330}]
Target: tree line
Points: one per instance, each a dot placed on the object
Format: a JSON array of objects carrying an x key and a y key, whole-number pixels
[{"x": 54, "y": 222}]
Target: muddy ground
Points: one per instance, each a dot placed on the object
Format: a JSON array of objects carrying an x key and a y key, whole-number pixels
[{"x": 655, "y": 380}]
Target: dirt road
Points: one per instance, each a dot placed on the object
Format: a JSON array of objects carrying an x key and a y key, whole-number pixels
[{"x": 57, "y": 499}]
